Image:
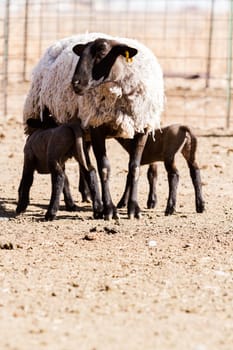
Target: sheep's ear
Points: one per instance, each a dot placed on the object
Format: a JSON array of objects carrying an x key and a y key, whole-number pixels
[
  {"x": 126, "y": 51},
  {"x": 78, "y": 49}
]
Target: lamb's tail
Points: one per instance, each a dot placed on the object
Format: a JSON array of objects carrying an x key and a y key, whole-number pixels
[
  {"x": 34, "y": 124},
  {"x": 190, "y": 147}
]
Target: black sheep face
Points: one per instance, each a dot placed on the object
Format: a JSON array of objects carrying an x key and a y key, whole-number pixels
[{"x": 98, "y": 63}]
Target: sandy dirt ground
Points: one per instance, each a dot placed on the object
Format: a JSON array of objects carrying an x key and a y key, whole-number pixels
[{"x": 157, "y": 283}]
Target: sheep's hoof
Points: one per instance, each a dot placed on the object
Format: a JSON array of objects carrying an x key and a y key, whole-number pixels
[
  {"x": 151, "y": 204},
  {"x": 110, "y": 216},
  {"x": 98, "y": 212},
  {"x": 135, "y": 216},
  {"x": 86, "y": 198},
  {"x": 98, "y": 215},
  {"x": 111, "y": 213},
  {"x": 134, "y": 211}
]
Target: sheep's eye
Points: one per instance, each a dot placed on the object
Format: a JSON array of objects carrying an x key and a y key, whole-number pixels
[{"x": 99, "y": 49}]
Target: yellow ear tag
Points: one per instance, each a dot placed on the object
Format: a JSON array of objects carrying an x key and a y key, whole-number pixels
[{"x": 128, "y": 59}]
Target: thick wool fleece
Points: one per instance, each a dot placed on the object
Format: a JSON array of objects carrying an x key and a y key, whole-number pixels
[{"x": 130, "y": 103}]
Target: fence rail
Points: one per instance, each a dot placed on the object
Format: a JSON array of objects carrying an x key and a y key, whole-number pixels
[{"x": 192, "y": 40}]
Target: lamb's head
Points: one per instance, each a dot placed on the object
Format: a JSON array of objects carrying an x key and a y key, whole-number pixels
[{"x": 98, "y": 62}]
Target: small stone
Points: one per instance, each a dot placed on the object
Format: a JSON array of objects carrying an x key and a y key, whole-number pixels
[
  {"x": 7, "y": 246},
  {"x": 90, "y": 236},
  {"x": 152, "y": 243}
]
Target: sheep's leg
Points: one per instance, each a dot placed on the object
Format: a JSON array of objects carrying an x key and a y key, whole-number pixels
[
  {"x": 25, "y": 185},
  {"x": 98, "y": 137},
  {"x": 196, "y": 180},
  {"x": 152, "y": 178},
  {"x": 89, "y": 174},
  {"x": 137, "y": 147},
  {"x": 58, "y": 179},
  {"x": 83, "y": 187},
  {"x": 125, "y": 197},
  {"x": 173, "y": 180},
  {"x": 69, "y": 202}
]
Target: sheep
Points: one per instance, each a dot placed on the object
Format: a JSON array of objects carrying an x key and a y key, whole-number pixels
[
  {"x": 163, "y": 147},
  {"x": 109, "y": 93},
  {"x": 46, "y": 150}
]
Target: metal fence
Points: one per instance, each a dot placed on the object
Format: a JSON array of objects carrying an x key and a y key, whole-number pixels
[{"x": 192, "y": 40}]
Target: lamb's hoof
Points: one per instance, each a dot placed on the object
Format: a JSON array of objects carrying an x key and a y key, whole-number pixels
[
  {"x": 200, "y": 207},
  {"x": 72, "y": 207},
  {"x": 21, "y": 208},
  {"x": 20, "y": 211},
  {"x": 49, "y": 216},
  {"x": 169, "y": 211}
]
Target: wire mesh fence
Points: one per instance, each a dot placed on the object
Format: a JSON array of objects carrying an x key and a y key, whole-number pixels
[{"x": 192, "y": 40}]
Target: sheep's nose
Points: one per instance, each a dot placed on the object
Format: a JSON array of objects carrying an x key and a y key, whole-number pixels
[
  {"x": 77, "y": 86},
  {"x": 76, "y": 83}
]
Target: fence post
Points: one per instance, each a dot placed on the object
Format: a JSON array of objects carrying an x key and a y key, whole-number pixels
[
  {"x": 210, "y": 44},
  {"x": 25, "y": 40},
  {"x": 6, "y": 54},
  {"x": 41, "y": 27},
  {"x": 229, "y": 64}
]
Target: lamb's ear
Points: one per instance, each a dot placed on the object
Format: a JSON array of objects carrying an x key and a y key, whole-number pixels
[
  {"x": 78, "y": 49},
  {"x": 34, "y": 123}
]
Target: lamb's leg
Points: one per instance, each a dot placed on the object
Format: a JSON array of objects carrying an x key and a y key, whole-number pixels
[
  {"x": 83, "y": 186},
  {"x": 137, "y": 147},
  {"x": 92, "y": 182},
  {"x": 98, "y": 137},
  {"x": 152, "y": 178},
  {"x": 69, "y": 202},
  {"x": 58, "y": 178},
  {"x": 125, "y": 197},
  {"x": 173, "y": 180},
  {"x": 25, "y": 185},
  {"x": 196, "y": 180}
]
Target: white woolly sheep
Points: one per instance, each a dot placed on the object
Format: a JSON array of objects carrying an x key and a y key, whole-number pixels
[{"x": 109, "y": 93}]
